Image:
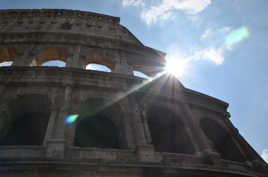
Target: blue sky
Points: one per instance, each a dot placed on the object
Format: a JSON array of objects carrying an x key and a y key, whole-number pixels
[{"x": 194, "y": 32}]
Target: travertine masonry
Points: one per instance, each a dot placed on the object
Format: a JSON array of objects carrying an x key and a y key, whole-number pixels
[{"x": 127, "y": 126}]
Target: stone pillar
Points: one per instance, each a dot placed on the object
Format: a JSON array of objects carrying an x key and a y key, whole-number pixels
[
  {"x": 69, "y": 128},
  {"x": 55, "y": 136},
  {"x": 200, "y": 141},
  {"x": 25, "y": 56},
  {"x": 75, "y": 59},
  {"x": 145, "y": 150},
  {"x": 4, "y": 119},
  {"x": 129, "y": 139},
  {"x": 247, "y": 151},
  {"x": 51, "y": 124},
  {"x": 135, "y": 116},
  {"x": 54, "y": 140},
  {"x": 144, "y": 121},
  {"x": 56, "y": 143},
  {"x": 121, "y": 65}
]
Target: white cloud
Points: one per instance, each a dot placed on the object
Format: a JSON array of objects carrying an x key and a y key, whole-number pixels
[
  {"x": 214, "y": 51},
  {"x": 264, "y": 155},
  {"x": 165, "y": 9},
  {"x": 217, "y": 48},
  {"x": 205, "y": 34},
  {"x": 215, "y": 55},
  {"x": 212, "y": 54},
  {"x": 220, "y": 32},
  {"x": 136, "y": 3},
  {"x": 225, "y": 29}
]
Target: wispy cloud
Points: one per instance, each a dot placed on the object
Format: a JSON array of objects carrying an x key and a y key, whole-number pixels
[
  {"x": 264, "y": 155},
  {"x": 206, "y": 34},
  {"x": 215, "y": 38},
  {"x": 213, "y": 54},
  {"x": 165, "y": 9},
  {"x": 212, "y": 33},
  {"x": 135, "y": 3},
  {"x": 215, "y": 49},
  {"x": 179, "y": 63},
  {"x": 215, "y": 33}
]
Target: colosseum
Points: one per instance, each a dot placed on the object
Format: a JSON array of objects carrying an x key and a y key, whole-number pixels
[{"x": 72, "y": 122}]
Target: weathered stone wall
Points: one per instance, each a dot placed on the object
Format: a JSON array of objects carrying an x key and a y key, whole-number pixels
[
  {"x": 162, "y": 128},
  {"x": 68, "y": 89},
  {"x": 31, "y": 37}
]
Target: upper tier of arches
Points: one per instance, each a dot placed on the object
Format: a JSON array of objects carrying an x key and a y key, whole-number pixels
[
  {"x": 61, "y": 56},
  {"x": 75, "y": 37}
]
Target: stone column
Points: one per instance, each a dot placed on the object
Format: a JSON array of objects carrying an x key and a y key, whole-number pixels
[
  {"x": 121, "y": 65},
  {"x": 2, "y": 89},
  {"x": 53, "y": 140},
  {"x": 56, "y": 143},
  {"x": 69, "y": 128},
  {"x": 51, "y": 124},
  {"x": 55, "y": 136},
  {"x": 25, "y": 56},
  {"x": 200, "y": 141},
  {"x": 135, "y": 116},
  {"x": 145, "y": 150},
  {"x": 4, "y": 119},
  {"x": 76, "y": 59},
  {"x": 144, "y": 121},
  {"x": 247, "y": 151}
]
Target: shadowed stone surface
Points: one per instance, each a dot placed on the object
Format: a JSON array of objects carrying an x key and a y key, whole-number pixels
[{"x": 127, "y": 126}]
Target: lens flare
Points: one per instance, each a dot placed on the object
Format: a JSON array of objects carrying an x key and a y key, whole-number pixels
[
  {"x": 176, "y": 67},
  {"x": 237, "y": 36},
  {"x": 71, "y": 118}
]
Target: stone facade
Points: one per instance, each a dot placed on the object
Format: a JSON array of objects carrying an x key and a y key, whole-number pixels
[{"x": 127, "y": 126}]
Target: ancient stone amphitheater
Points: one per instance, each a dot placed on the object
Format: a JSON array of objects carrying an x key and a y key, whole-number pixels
[{"x": 127, "y": 126}]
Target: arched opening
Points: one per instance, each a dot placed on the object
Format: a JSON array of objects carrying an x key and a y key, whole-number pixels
[
  {"x": 52, "y": 56},
  {"x": 96, "y": 131},
  {"x": 221, "y": 140},
  {"x": 168, "y": 132},
  {"x": 98, "y": 67},
  {"x": 98, "y": 57},
  {"x": 57, "y": 63},
  {"x": 7, "y": 54},
  {"x": 6, "y": 63},
  {"x": 99, "y": 125},
  {"x": 26, "y": 122},
  {"x": 140, "y": 74}
]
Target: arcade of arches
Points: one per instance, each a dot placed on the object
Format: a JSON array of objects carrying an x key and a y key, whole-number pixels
[
  {"x": 64, "y": 57},
  {"x": 100, "y": 125}
]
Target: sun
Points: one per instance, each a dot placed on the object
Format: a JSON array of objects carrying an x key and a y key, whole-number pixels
[{"x": 176, "y": 67}]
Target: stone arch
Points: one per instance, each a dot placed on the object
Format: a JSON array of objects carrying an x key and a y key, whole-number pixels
[
  {"x": 7, "y": 54},
  {"x": 55, "y": 53},
  {"x": 168, "y": 131},
  {"x": 6, "y": 63},
  {"x": 26, "y": 118},
  {"x": 101, "y": 57},
  {"x": 221, "y": 140},
  {"x": 57, "y": 63},
  {"x": 100, "y": 124},
  {"x": 140, "y": 74},
  {"x": 98, "y": 67}
]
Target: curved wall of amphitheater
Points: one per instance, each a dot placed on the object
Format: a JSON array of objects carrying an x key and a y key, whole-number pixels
[{"x": 127, "y": 126}]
